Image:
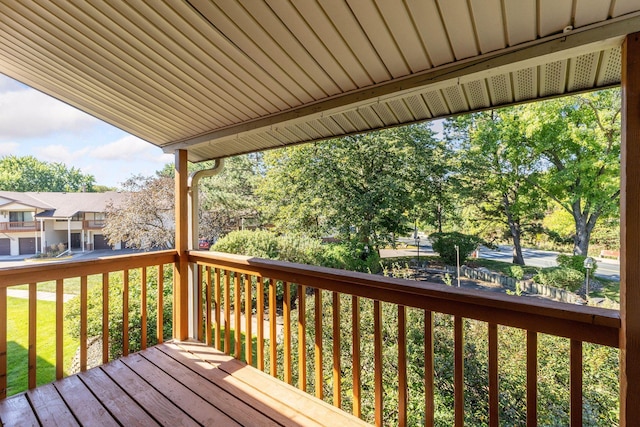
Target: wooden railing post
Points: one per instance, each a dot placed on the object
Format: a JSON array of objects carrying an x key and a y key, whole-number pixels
[
  {"x": 181, "y": 269},
  {"x": 630, "y": 234}
]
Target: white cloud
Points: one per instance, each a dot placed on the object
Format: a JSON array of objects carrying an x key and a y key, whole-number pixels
[
  {"x": 129, "y": 148},
  {"x": 8, "y": 148},
  {"x": 60, "y": 153},
  {"x": 25, "y": 112}
]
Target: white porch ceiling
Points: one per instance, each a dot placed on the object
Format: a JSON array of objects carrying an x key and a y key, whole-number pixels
[{"x": 226, "y": 77}]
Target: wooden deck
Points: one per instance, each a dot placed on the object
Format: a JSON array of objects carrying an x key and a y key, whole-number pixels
[{"x": 173, "y": 384}]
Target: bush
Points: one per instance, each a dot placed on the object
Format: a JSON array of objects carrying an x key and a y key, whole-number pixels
[
  {"x": 516, "y": 271},
  {"x": 94, "y": 310},
  {"x": 444, "y": 244},
  {"x": 262, "y": 244},
  {"x": 351, "y": 256},
  {"x": 576, "y": 262},
  {"x": 560, "y": 277}
]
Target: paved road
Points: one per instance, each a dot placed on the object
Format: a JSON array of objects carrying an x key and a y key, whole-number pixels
[{"x": 607, "y": 268}]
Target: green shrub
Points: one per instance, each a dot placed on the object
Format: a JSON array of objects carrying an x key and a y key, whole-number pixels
[
  {"x": 576, "y": 262},
  {"x": 261, "y": 244},
  {"x": 444, "y": 244},
  {"x": 560, "y": 277},
  {"x": 351, "y": 256},
  {"x": 94, "y": 310},
  {"x": 516, "y": 271}
]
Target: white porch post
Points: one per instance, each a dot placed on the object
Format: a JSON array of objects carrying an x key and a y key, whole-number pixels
[
  {"x": 42, "y": 242},
  {"x": 69, "y": 234}
]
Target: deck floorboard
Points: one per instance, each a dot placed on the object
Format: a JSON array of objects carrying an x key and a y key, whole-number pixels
[{"x": 185, "y": 384}]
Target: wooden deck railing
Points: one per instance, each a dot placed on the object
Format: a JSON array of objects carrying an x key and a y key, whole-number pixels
[
  {"x": 13, "y": 227},
  {"x": 225, "y": 278},
  {"x": 94, "y": 224},
  {"x": 34, "y": 274}
]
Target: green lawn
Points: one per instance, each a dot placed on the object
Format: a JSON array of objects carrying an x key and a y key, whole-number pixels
[
  {"x": 71, "y": 286},
  {"x": 610, "y": 289},
  {"x": 18, "y": 339}
]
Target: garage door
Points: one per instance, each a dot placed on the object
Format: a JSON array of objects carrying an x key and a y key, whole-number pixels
[
  {"x": 27, "y": 245},
  {"x": 5, "y": 246},
  {"x": 100, "y": 242}
]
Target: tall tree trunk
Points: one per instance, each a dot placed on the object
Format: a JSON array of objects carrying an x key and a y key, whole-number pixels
[
  {"x": 585, "y": 224},
  {"x": 514, "y": 229}
]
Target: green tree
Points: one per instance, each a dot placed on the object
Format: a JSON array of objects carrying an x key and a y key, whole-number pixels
[
  {"x": 576, "y": 142},
  {"x": 364, "y": 186},
  {"x": 30, "y": 174},
  {"x": 495, "y": 173}
]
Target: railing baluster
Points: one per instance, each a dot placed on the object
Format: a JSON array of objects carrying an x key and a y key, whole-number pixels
[
  {"x": 319, "y": 374},
  {"x": 337, "y": 374},
  {"x": 493, "y": 376},
  {"x": 143, "y": 309},
  {"x": 273, "y": 346},
  {"x": 160, "y": 308},
  {"x": 105, "y": 317},
  {"x": 576, "y": 383},
  {"x": 429, "y": 404},
  {"x": 532, "y": 379},
  {"x": 33, "y": 302},
  {"x": 286, "y": 314},
  {"x": 302, "y": 338},
  {"x": 3, "y": 342},
  {"x": 125, "y": 312},
  {"x": 458, "y": 370},
  {"x": 207, "y": 313},
  {"x": 198, "y": 293},
  {"x": 227, "y": 312},
  {"x": 356, "y": 363},
  {"x": 402, "y": 365},
  {"x": 83, "y": 323},
  {"x": 237, "y": 312},
  {"x": 248, "y": 318},
  {"x": 260, "y": 321},
  {"x": 218, "y": 308},
  {"x": 377, "y": 361},
  {"x": 59, "y": 329}
]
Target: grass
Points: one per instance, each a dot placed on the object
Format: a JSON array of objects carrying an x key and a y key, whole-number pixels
[
  {"x": 18, "y": 343},
  {"x": 610, "y": 289},
  {"x": 71, "y": 286}
]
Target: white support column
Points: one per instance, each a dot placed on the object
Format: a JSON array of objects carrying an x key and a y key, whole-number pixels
[
  {"x": 42, "y": 241},
  {"x": 69, "y": 234}
]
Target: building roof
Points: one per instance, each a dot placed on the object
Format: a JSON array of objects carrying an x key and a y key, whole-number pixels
[
  {"x": 224, "y": 77},
  {"x": 64, "y": 205}
]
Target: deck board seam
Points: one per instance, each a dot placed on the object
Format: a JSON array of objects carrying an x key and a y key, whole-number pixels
[
  {"x": 133, "y": 398},
  {"x": 71, "y": 409},
  {"x": 222, "y": 389},
  {"x": 123, "y": 390},
  {"x": 330, "y": 409}
]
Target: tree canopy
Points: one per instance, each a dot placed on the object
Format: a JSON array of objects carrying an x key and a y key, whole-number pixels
[
  {"x": 362, "y": 187},
  {"x": 30, "y": 174}
]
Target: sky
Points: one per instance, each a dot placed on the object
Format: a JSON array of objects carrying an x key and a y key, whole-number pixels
[{"x": 32, "y": 123}]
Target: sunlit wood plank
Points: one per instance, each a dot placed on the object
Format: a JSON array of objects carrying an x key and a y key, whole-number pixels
[
  {"x": 302, "y": 338},
  {"x": 356, "y": 363},
  {"x": 33, "y": 303},
  {"x": 458, "y": 370},
  {"x": 377, "y": 362},
  {"x": 260, "y": 319},
  {"x": 125, "y": 312},
  {"x": 402, "y": 365},
  {"x": 337, "y": 373},
  {"x": 59, "y": 329},
  {"x": 318, "y": 366},
  {"x": 286, "y": 314}
]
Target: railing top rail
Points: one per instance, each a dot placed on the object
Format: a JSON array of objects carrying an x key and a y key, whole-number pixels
[
  {"x": 589, "y": 324},
  {"x": 42, "y": 272}
]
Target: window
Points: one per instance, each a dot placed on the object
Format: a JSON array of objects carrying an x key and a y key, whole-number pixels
[
  {"x": 77, "y": 217},
  {"x": 20, "y": 216}
]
